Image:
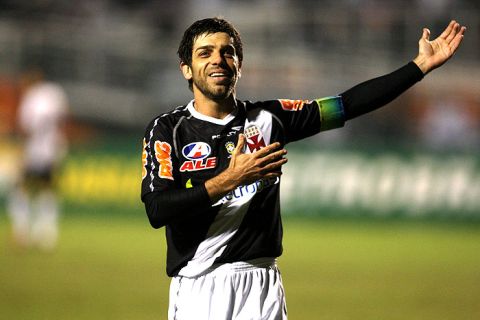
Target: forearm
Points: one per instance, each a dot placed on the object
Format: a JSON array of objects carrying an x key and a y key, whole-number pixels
[
  {"x": 377, "y": 92},
  {"x": 220, "y": 185},
  {"x": 422, "y": 64},
  {"x": 165, "y": 206}
]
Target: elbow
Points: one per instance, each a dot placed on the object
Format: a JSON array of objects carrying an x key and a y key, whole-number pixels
[
  {"x": 156, "y": 223},
  {"x": 155, "y": 215}
]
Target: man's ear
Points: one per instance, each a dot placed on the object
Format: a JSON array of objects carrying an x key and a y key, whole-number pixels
[{"x": 186, "y": 70}]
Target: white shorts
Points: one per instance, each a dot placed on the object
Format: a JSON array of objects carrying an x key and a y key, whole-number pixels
[{"x": 250, "y": 290}]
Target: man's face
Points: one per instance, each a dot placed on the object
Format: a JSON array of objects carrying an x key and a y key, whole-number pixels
[{"x": 215, "y": 67}]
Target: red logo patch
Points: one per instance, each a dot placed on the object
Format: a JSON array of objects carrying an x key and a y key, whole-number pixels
[
  {"x": 196, "y": 165},
  {"x": 292, "y": 105},
  {"x": 144, "y": 159},
  {"x": 163, "y": 151}
]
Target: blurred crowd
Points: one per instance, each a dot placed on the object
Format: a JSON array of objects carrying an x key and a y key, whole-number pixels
[
  {"x": 116, "y": 59},
  {"x": 115, "y": 63}
]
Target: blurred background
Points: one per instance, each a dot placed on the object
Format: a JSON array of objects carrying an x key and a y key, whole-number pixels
[{"x": 407, "y": 171}]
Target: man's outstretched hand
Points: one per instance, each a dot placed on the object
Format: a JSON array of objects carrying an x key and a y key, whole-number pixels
[{"x": 432, "y": 54}]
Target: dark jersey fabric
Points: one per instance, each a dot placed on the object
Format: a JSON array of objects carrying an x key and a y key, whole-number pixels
[{"x": 183, "y": 149}]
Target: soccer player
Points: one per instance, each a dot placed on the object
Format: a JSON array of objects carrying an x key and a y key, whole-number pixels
[
  {"x": 212, "y": 168},
  {"x": 33, "y": 205}
]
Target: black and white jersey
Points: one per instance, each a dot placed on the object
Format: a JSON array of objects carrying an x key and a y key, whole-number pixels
[{"x": 183, "y": 149}]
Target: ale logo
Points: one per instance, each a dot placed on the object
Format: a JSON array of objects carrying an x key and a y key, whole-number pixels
[
  {"x": 197, "y": 154},
  {"x": 196, "y": 151}
]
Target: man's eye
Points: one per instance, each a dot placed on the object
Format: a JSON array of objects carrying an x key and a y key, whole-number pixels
[
  {"x": 203, "y": 54},
  {"x": 229, "y": 53}
]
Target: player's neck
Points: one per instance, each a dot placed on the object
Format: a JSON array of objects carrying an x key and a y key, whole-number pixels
[{"x": 215, "y": 109}]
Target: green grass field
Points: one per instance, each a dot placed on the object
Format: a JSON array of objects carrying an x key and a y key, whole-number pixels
[{"x": 114, "y": 268}]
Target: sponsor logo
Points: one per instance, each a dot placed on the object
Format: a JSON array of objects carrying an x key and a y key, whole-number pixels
[
  {"x": 144, "y": 159},
  {"x": 196, "y": 165},
  {"x": 254, "y": 138},
  {"x": 197, "y": 154},
  {"x": 249, "y": 190},
  {"x": 163, "y": 151},
  {"x": 292, "y": 105},
  {"x": 230, "y": 146},
  {"x": 196, "y": 151}
]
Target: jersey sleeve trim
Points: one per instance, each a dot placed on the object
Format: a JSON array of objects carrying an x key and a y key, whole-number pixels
[
  {"x": 150, "y": 156},
  {"x": 175, "y": 146},
  {"x": 332, "y": 113}
]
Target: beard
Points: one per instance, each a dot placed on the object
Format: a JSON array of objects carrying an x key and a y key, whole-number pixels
[{"x": 220, "y": 91}]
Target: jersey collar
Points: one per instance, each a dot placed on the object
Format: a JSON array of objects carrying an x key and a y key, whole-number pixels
[{"x": 203, "y": 117}]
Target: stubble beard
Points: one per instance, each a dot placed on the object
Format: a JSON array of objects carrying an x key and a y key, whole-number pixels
[{"x": 216, "y": 93}]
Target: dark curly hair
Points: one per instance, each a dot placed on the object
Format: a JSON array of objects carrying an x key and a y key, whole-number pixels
[{"x": 207, "y": 26}]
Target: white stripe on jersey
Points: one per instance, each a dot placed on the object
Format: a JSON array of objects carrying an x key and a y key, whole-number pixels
[
  {"x": 152, "y": 169},
  {"x": 234, "y": 206},
  {"x": 175, "y": 146}
]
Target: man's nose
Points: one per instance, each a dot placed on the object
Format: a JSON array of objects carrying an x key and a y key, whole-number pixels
[{"x": 216, "y": 57}]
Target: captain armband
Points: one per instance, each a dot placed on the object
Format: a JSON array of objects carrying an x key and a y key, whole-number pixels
[{"x": 332, "y": 114}]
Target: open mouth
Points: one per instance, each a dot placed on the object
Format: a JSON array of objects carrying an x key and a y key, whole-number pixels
[{"x": 220, "y": 75}]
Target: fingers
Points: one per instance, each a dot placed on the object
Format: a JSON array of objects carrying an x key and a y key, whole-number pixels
[
  {"x": 269, "y": 160},
  {"x": 260, "y": 153},
  {"x": 455, "y": 43},
  {"x": 455, "y": 37},
  {"x": 272, "y": 157},
  {"x": 263, "y": 163},
  {"x": 240, "y": 144},
  {"x": 426, "y": 34},
  {"x": 274, "y": 167},
  {"x": 448, "y": 30},
  {"x": 267, "y": 150},
  {"x": 453, "y": 33}
]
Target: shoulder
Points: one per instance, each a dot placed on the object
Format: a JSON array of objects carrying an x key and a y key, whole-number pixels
[
  {"x": 279, "y": 105},
  {"x": 168, "y": 120},
  {"x": 261, "y": 105}
]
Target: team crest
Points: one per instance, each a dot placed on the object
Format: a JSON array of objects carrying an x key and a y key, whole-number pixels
[
  {"x": 254, "y": 138},
  {"x": 230, "y": 146}
]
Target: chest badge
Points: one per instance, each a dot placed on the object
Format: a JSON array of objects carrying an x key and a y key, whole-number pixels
[
  {"x": 230, "y": 146},
  {"x": 254, "y": 139}
]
